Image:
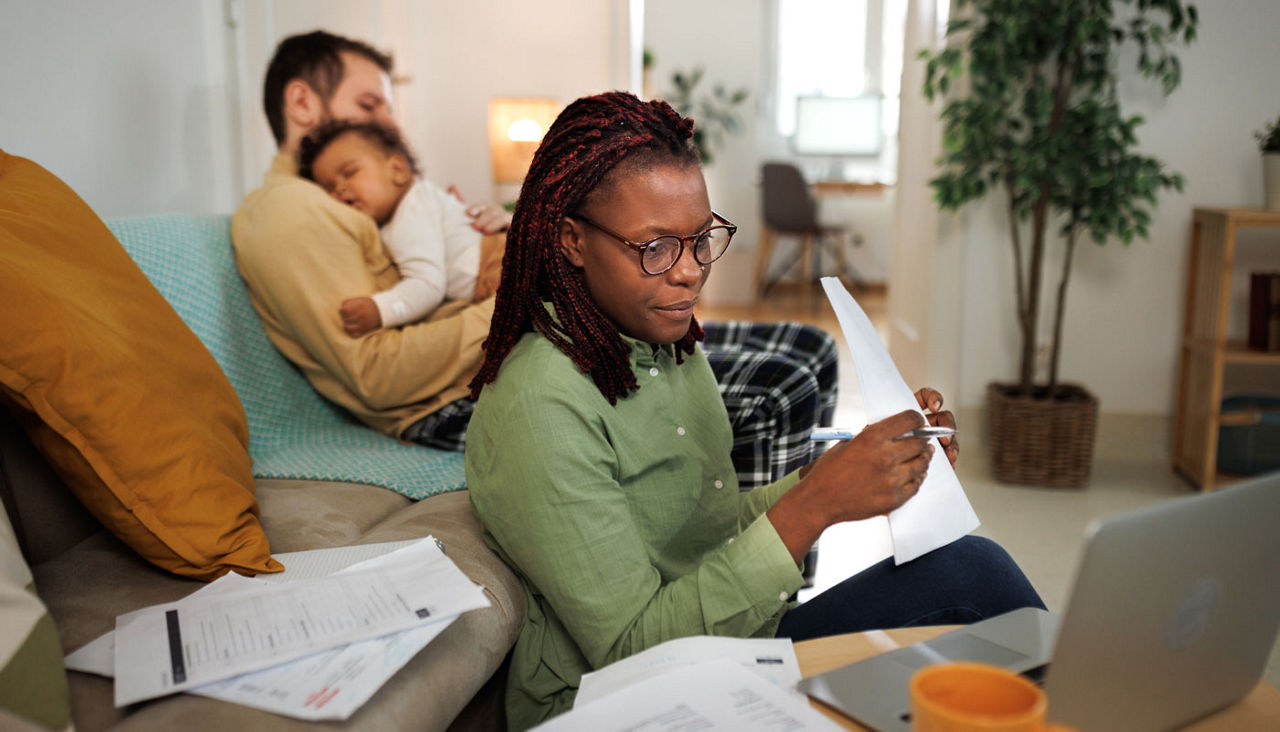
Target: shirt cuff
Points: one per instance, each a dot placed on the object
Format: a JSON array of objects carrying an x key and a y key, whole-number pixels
[{"x": 764, "y": 565}]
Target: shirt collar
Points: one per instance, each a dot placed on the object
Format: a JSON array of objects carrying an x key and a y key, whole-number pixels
[{"x": 643, "y": 354}]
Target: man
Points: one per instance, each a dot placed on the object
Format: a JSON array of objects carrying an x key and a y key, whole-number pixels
[{"x": 301, "y": 253}]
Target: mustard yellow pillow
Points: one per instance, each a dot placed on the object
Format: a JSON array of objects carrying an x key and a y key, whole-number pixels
[{"x": 114, "y": 389}]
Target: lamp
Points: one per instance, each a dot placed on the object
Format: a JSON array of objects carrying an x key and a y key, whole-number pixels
[{"x": 516, "y": 126}]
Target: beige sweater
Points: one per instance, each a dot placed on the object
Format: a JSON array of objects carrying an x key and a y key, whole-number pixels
[{"x": 302, "y": 253}]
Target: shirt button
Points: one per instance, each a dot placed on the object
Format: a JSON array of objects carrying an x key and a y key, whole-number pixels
[
  {"x": 719, "y": 484},
  {"x": 680, "y": 431},
  {"x": 653, "y": 371},
  {"x": 782, "y": 596}
]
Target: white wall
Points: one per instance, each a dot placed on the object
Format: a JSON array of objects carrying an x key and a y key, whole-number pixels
[
  {"x": 1125, "y": 305},
  {"x": 147, "y": 106},
  {"x": 461, "y": 54},
  {"x": 683, "y": 36},
  {"x": 127, "y": 101}
]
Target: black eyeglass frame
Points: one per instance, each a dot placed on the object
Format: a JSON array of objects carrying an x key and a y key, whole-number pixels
[{"x": 642, "y": 247}]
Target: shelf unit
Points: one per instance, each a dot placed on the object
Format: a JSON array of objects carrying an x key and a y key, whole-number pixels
[{"x": 1205, "y": 351}]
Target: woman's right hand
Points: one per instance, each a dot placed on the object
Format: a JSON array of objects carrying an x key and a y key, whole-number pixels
[{"x": 870, "y": 475}]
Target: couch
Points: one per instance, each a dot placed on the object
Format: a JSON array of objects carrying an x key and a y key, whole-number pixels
[{"x": 318, "y": 479}]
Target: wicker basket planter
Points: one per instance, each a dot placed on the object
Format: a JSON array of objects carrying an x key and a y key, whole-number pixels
[{"x": 1040, "y": 441}]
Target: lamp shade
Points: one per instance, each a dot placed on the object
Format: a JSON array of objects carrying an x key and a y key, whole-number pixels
[{"x": 516, "y": 127}]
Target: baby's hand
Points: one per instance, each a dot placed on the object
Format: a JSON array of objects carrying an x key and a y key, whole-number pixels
[{"x": 359, "y": 316}]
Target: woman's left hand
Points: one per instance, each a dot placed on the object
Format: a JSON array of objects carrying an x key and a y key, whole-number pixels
[{"x": 931, "y": 401}]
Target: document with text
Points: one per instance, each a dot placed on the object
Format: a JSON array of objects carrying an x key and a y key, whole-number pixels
[
  {"x": 241, "y": 625},
  {"x": 715, "y": 695},
  {"x": 772, "y": 659}
]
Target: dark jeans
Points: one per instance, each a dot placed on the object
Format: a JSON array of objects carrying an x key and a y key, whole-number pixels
[{"x": 966, "y": 581}]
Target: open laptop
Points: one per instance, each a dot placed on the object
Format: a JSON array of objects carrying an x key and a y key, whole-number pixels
[{"x": 1173, "y": 615}]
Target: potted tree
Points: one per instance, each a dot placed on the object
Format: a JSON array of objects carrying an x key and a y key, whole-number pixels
[
  {"x": 1031, "y": 109},
  {"x": 1269, "y": 144}
]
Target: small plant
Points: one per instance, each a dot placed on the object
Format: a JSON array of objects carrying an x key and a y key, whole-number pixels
[
  {"x": 713, "y": 114},
  {"x": 1269, "y": 137}
]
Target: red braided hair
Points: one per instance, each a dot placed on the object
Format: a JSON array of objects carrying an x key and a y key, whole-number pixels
[{"x": 590, "y": 138}]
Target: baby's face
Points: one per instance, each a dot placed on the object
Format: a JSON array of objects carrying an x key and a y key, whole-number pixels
[{"x": 362, "y": 176}]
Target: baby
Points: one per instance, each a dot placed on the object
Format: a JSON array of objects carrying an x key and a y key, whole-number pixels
[{"x": 425, "y": 230}]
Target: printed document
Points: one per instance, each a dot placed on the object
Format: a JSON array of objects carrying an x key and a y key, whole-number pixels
[
  {"x": 940, "y": 512},
  {"x": 715, "y": 695},
  {"x": 248, "y": 625},
  {"x": 772, "y": 659}
]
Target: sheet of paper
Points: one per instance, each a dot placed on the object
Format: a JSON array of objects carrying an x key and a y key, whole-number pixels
[
  {"x": 247, "y": 625},
  {"x": 98, "y": 656},
  {"x": 715, "y": 695},
  {"x": 328, "y": 685},
  {"x": 324, "y": 562},
  {"x": 772, "y": 659},
  {"x": 940, "y": 512}
]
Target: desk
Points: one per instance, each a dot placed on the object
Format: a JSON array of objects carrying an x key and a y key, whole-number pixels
[
  {"x": 1260, "y": 710},
  {"x": 847, "y": 187}
]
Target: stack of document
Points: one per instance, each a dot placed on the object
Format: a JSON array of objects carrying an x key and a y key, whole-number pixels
[
  {"x": 304, "y": 644},
  {"x": 702, "y": 682}
]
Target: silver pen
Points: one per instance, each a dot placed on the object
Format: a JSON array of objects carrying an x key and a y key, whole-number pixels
[{"x": 842, "y": 433}]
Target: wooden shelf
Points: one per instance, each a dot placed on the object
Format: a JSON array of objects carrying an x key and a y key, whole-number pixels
[
  {"x": 1239, "y": 352},
  {"x": 1205, "y": 351}
]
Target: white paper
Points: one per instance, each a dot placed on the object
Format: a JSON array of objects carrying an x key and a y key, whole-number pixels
[
  {"x": 327, "y": 685},
  {"x": 99, "y": 655},
  {"x": 772, "y": 659},
  {"x": 247, "y": 625},
  {"x": 314, "y": 563},
  {"x": 940, "y": 512},
  {"x": 715, "y": 695}
]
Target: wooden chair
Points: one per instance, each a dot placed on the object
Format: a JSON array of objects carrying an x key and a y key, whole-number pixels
[{"x": 790, "y": 210}]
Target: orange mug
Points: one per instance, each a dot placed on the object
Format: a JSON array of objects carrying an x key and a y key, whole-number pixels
[{"x": 976, "y": 697}]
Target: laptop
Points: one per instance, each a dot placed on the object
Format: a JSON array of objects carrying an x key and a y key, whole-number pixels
[{"x": 1173, "y": 615}]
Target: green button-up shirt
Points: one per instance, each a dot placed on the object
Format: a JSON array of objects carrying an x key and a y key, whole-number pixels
[{"x": 624, "y": 523}]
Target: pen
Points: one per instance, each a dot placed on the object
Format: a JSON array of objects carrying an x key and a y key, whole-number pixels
[{"x": 841, "y": 433}]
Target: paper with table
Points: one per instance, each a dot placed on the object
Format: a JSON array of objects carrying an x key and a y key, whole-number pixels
[
  {"x": 99, "y": 655},
  {"x": 714, "y": 695},
  {"x": 393, "y": 606},
  {"x": 940, "y": 512}
]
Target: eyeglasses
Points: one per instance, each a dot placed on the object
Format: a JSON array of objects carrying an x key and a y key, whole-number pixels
[{"x": 661, "y": 253}]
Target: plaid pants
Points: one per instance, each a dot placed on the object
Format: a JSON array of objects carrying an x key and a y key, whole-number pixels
[{"x": 778, "y": 382}]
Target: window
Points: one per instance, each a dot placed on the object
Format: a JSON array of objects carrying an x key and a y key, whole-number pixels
[{"x": 842, "y": 49}]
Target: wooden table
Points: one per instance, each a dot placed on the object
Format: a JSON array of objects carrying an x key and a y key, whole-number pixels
[
  {"x": 848, "y": 187},
  {"x": 1260, "y": 710}
]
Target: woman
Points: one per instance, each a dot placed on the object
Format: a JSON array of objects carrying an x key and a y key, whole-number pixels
[{"x": 598, "y": 457}]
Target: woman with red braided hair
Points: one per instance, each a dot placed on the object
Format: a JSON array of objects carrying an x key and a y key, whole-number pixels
[{"x": 598, "y": 457}]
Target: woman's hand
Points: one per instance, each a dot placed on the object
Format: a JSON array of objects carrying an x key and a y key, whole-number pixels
[
  {"x": 870, "y": 475},
  {"x": 931, "y": 401}
]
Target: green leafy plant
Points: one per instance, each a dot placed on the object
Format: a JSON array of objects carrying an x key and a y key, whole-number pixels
[
  {"x": 1039, "y": 118},
  {"x": 1269, "y": 137},
  {"x": 714, "y": 114}
]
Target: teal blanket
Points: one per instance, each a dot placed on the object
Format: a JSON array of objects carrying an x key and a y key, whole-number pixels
[{"x": 293, "y": 432}]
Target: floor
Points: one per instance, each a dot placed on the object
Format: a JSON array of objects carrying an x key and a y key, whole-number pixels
[{"x": 1041, "y": 528}]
